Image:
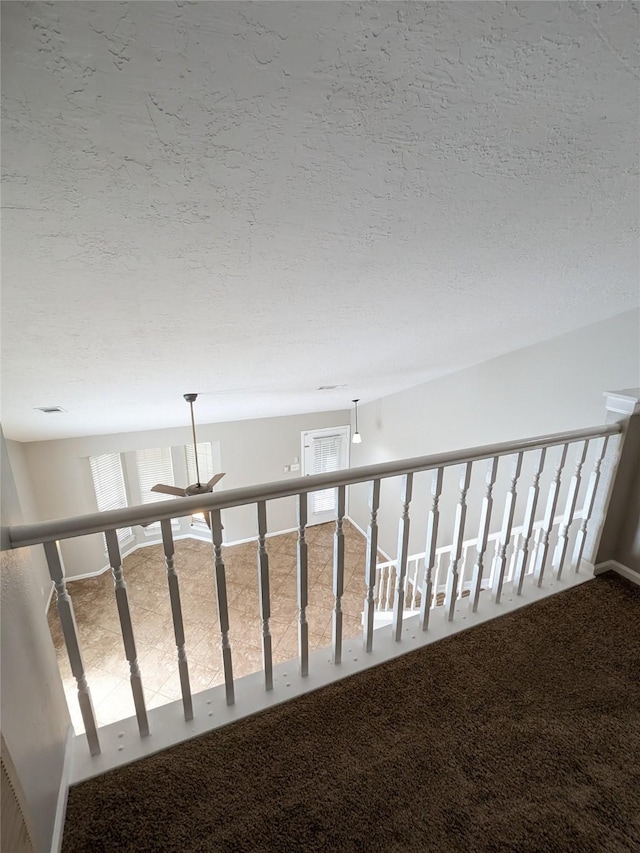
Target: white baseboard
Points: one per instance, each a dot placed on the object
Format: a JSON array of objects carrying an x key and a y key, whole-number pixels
[
  {"x": 255, "y": 538},
  {"x": 619, "y": 569},
  {"x": 63, "y": 793},
  {"x": 364, "y": 533}
]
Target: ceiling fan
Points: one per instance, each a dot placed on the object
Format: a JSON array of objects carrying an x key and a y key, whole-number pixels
[{"x": 196, "y": 488}]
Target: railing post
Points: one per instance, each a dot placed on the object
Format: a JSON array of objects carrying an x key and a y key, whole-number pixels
[
  {"x": 549, "y": 515},
  {"x": 303, "y": 585},
  {"x": 483, "y": 533},
  {"x": 265, "y": 603},
  {"x": 124, "y": 614},
  {"x": 176, "y": 614},
  {"x": 529, "y": 520},
  {"x": 403, "y": 551},
  {"x": 570, "y": 508},
  {"x": 338, "y": 577},
  {"x": 70, "y": 632},
  {"x": 621, "y": 407},
  {"x": 223, "y": 604},
  {"x": 371, "y": 565},
  {"x": 430, "y": 549},
  {"x": 458, "y": 538},
  {"x": 589, "y": 502},
  {"x": 507, "y": 523}
]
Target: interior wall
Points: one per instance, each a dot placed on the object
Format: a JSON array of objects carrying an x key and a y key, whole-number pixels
[
  {"x": 34, "y": 714},
  {"x": 553, "y": 386},
  {"x": 252, "y": 452},
  {"x": 29, "y": 512}
]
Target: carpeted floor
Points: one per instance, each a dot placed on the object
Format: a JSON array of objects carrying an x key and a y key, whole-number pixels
[{"x": 519, "y": 735}]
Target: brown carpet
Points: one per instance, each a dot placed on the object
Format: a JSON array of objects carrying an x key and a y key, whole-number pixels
[{"x": 522, "y": 734}]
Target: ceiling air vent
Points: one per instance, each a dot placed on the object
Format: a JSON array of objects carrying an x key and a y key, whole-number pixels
[
  {"x": 49, "y": 410},
  {"x": 329, "y": 387}
]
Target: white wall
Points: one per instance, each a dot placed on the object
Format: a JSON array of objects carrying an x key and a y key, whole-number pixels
[
  {"x": 35, "y": 719},
  {"x": 553, "y": 386},
  {"x": 253, "y": 451}
]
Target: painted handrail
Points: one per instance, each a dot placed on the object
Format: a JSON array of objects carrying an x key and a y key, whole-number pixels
[{"x": 99, "y": 522}]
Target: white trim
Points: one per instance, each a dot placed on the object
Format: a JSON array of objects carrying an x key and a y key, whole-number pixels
[
  {"x": 63, "y": 793},
  {"x": 121, "y": 742},
  {"x": 364, "y": 534},
  {"x": 619, "y": 569},
  {"x": 255, "y": 538}
]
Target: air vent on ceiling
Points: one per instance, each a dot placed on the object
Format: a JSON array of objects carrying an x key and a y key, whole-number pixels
[
  {"x": 329, "y": 387},
  {"x": 49, "y": 410}
]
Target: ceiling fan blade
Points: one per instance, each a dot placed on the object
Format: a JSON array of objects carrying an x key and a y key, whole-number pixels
[
  {"x": 215, "y": 479},
  {"x": 168, "y": 490}
]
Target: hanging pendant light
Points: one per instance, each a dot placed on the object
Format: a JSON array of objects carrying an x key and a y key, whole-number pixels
[{"x": 357, "y": 438}]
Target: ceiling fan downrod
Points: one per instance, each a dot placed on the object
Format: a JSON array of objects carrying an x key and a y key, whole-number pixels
[{"x": 191, "y": 398}]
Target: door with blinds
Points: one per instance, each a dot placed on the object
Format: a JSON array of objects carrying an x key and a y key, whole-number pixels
[{"x": 324, "y": 451}]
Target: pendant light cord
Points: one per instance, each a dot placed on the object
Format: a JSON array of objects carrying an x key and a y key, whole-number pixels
[{"x": 195, "y": 444}]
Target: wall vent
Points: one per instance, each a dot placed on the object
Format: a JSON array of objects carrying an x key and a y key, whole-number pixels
[{"x": 49, "y": 410}]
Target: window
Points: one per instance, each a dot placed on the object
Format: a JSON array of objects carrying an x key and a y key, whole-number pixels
[
  {"x": 205, "y": 462},
  {"x": 327, "y": 451},
  {"x": 206, "y": 468},
  {"x": 324, "y": 451},
  {"x": 154, "y": 466},
  {"x": 108, "y": 484}
]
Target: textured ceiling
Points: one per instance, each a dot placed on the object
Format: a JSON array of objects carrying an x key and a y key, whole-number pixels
[{"x": 255, "y": 199}]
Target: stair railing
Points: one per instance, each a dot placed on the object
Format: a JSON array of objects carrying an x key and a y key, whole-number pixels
[{"x": 442, "y": 568}]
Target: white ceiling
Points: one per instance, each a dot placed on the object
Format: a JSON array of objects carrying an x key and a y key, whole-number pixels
[{"x": 255, "y": 199}]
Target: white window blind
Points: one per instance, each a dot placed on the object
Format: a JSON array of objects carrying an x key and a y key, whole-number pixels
[
  {"x": 327, "y": 453},
  {"x": 154, "y": 466},
  {"x": 205, "y": 465},
  {"x": 205, "y": 462},
  {"x": 108, "y": 484}
]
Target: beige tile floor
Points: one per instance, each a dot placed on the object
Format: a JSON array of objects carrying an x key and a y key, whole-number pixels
[{"x": 146, "y": 578}]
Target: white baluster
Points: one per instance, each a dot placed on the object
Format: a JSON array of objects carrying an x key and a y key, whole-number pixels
[
  {"x": 403, "y": 550},
  {"x": 122, "y": 600},
  {"x": 390, "y": 573},
  {"x": 483, "y": 533},
  {"x": 458, "y": 537},
  {"x": 589, "y": 502},
  {"x": 438, "y": 578},
  {"x": 371, "y": 564},
  {"x": 529, "y": 519},
  {"x": 569, "y": 510},
  {"x": 176, "y": 613},
  {"x": 463, "y": 569},
  {"x": 427, "y": 600},
  {"x": 505, "y": 532},
  {"x": 512, "y": 559},
  {"x": 338, "y": 577},
  {"x": 414, "y": 592},
  {"x": 549, "y": 515},
  {"x": 223, "y": 604},
  {"x": 380, "y": 572},
  {"x": 70, "y": 632},
  {"x": 263, "y": 591},
  {"x": 303, "y": 586},
  {"x": 537, "y": 536}
]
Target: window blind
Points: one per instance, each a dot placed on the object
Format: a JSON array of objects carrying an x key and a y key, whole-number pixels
[
  {"x": 154, "y": 466},
  {"x": 205, "y": 462},
  {"x": 108, "y": 484},
  {"x": 327, "y": 451}
]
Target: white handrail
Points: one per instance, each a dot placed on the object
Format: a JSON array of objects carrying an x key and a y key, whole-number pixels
[{"x": 99, "y": 522}]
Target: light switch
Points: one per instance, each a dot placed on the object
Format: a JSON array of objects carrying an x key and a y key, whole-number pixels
[{"x": 295, "y": 467}]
